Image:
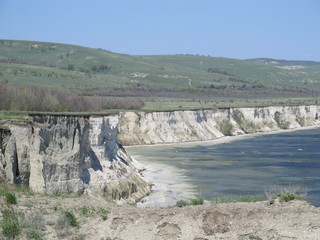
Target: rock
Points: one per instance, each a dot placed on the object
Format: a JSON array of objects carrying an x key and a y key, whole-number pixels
[
  {"x": 202, "y": 125},
  {"x": 70, "y": 154}
]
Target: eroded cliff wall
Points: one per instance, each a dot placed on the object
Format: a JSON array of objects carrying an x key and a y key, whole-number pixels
[
  {"x": 75, "y": 154},
  {"x": 71, "y": 155},
  {"x": 201, "y": 125}
]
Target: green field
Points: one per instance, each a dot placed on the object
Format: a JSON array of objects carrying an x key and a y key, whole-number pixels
[{"x": 164, "y": 82}]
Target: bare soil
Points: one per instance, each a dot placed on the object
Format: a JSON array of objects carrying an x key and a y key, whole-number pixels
[{"x": 259, "y": 220}]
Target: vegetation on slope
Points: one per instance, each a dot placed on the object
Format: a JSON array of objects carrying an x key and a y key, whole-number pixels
[{"x": 176, "y": 81}]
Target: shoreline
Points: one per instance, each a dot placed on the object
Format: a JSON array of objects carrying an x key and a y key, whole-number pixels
[
  {"x": 225, "y": 139},
  {"x": 165, "y": 179}
]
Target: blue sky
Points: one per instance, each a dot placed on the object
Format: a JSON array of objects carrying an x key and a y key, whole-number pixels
[{"x": 282, "y": 29}]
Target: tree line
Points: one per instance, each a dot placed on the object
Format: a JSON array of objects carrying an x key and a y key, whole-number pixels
[{"x": 33, "y": 98}]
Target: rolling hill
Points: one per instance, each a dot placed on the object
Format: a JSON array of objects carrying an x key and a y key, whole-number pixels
[{"x": 88, "y": 71}]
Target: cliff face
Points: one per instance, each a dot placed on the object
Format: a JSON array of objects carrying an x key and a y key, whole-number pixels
[
  {"x": 201, "y": 125},
  {"x": 70, "y": 155}
]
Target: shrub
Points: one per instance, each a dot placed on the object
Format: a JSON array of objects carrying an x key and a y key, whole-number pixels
[
  {"x": 10, "y": 198},
  {"x": 238, "y": 116},
  {"x": 289, "y": 196},
  {"x": 197, "y": 201},
  {"x": 226, "y": 128},
  {"x": 62, "y": 226},
  {"x": 62, "y": 222},
  {"x": 182, "y": 203},
  {"x": 33, "y": 220}
]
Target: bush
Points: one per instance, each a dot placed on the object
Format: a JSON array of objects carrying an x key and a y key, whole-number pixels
[
  {"x": 32, "y": 98},
  {"x": 289, "y": 196},
  {"x": 197, "y": 201},
  {"x": 226, "y": 128},
  {"x": 182, "y": 203},
  {"x": 32, "y": 220},
  {"x": 10, "y": 198}
]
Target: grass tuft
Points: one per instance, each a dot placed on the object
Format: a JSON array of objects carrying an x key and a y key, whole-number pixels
[
  {"x": 10, "y": 198},
  {"x": 288, "y": 196},
  {"x": 182, "y": 203},
  {"x": 285, "y": 194},
  {"x": 34, "y": 234},
  {"x": 10, "y": 223},
  {"x": 193, "y": 201},
  {"x": 93, "y": 211},
  {"x": 10, "y": 228},
  {"x": 197, "y": 201},
  {"x": 252, "y": 237},
  {"x": 72, "y": 219}
]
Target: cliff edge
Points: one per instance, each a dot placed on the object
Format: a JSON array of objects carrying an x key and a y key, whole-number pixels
[
  {"x": 84, "y": 154},
  {"x": 203, "y": 125},
  {"x": 70, "y": 154}
]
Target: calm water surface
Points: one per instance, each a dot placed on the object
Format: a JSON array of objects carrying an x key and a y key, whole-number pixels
[{"x": 247, "y": 166}]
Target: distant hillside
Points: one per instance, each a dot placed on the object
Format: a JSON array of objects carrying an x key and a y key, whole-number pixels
[
  {"x": 61, "y": 65},
  {"x": 285, "y": 62},
  {"x": 98, "y": 72}
]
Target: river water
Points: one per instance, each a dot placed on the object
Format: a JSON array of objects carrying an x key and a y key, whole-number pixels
[{"x": 251, "y": 165}]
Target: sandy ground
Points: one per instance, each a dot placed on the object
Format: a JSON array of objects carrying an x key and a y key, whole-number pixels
[{"x": 292, "y": 220}]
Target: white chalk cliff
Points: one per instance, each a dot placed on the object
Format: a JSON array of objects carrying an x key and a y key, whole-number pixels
[
  {"x": 201, "y": 125},
  {"x": 70, "y": 154},
  {"x": 84, "y": 154}
]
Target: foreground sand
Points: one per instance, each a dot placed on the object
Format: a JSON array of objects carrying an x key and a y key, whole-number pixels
[{"x": 260, "y": 220}]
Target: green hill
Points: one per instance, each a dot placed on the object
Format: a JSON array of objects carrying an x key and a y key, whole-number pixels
[
  {"x": 61, "y": 65},
  {"x": 88, "y": 71}
]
